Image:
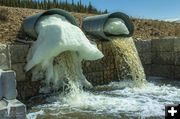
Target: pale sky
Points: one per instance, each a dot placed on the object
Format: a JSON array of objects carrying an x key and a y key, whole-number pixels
[{"x": 153, "y": 9}]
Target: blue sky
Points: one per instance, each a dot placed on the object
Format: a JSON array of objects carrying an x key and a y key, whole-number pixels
[{"x": 153, "y": 9}]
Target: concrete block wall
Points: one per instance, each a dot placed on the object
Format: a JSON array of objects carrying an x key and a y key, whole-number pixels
[
  {"x": 177, "y": 58},
  {"x": 160, "y": 57},
  {"x": 4, "y": 57},
  {"x": 8, "y": 85},
  {"x": 165, "y": 57},
  {"x": 17, "y": 60},
  {"x": 13, "y": 56},
  {"x": 104, "y": 70},
  {"x": 10, "y": 107},
  {"x": 18, "y": 54},
  {"x": 144, "y": 50}
]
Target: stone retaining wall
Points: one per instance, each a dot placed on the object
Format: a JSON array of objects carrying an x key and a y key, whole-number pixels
[
  {"x": 160, "y": 57},
  {"x": 10, "y": 107}
]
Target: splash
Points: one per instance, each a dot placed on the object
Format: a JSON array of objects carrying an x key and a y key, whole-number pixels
[
  {"x": 127, "y": 60},
  {"x": 143, "y": 102},
  {"x": 58, "y": 52}
]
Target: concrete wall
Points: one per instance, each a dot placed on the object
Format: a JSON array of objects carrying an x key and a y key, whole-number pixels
[
  {"x": 15, "y": 59},
  {"x": 160, "y": 57},
  {"x": 10, "y": 107}
]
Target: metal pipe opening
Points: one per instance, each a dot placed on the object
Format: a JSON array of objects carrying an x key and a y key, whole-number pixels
[
  {"x": 30, "y": 22},
  {"x": 94, "y": 25}
]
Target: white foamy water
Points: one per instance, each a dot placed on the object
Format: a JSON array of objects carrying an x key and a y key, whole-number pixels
[
  {"x": 58, "y": 52},
  {"x": 115, "y": 26},
  {"x": 147, "y": 101}
]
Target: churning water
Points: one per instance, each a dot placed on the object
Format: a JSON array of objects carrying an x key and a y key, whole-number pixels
[
  {"x": 124, "y": 102},
  {"x": 58, "y": 52},
  {"x": 127, "y": 60}
]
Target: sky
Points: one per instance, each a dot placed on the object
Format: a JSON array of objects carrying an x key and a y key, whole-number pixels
[{"x": 150, "y": 9}]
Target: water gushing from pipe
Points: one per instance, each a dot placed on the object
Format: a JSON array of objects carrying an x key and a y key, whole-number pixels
[
  {"x": 58, "y": 52},
  {"x": 127, "y": 60}
]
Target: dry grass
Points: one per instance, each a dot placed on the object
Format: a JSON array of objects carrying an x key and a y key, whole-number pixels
[
  {"x": 11, "y": 20},
  {"x": 146, "y": 28},
  {"x": 3, "y": 15}
]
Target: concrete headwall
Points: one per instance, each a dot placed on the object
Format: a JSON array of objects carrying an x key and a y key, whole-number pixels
[{"x": 160, "y": 57}]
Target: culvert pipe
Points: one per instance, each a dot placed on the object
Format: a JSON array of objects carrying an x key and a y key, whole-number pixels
[
  {"x": 29, "y": 23},
  {"x": 94, "y": 25}
]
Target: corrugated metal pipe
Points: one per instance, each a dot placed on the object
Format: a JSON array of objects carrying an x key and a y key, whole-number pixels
[
  {"x": 30, "y": 22},
  {"x": 94, "y": 25}
]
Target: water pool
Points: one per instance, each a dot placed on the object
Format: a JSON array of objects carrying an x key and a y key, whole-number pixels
[{"x": 118, "y": 100}]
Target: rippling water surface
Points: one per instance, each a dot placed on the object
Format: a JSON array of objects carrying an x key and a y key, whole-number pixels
[{"x": 116, "y": 100}]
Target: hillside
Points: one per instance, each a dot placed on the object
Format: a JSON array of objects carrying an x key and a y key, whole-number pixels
[
  {"x": 177, "y": 21},
  {"x": 11, "y": 20}
]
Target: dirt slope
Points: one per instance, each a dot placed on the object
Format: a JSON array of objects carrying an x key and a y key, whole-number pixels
[{"x": 11, "y": 20}]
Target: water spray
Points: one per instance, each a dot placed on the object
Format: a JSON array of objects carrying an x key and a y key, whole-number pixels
[{"x": 59, "y": 49}]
